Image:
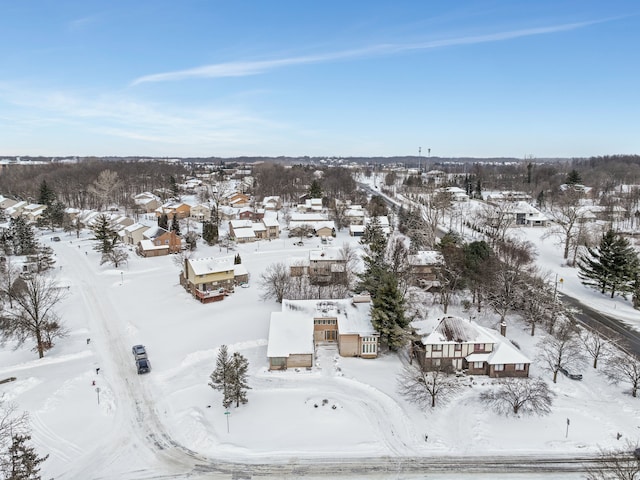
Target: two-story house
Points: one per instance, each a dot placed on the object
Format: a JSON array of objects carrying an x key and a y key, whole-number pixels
[
  {"x": 157, "y": 241},
  {"x": 302, "y": 325},
  {"x": 463, "y": 345},
  {"x": 209, "y": 279}
]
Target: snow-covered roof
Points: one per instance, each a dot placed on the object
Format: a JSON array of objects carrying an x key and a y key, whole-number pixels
[
  {"x": 308, "y": 217},
  {"x": 240, "y": 224},
  {"x": 290, "y": 334},
  {"x": 271, "y": 222},
  {"x": 147, "y": 245},
  {"x": 457, "y": 330},
  {"x": 135, "y": 227},
  {"x": 504, "y": 352},
  {"x": 204, "y": 266},
  {"x": 154, "y": 232},
  {"x": 425, "y": 257},
  {"x": 326, "y": 254},
  {"x": 244, "y": 233}
]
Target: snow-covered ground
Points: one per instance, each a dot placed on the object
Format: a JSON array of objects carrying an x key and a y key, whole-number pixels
[{"x": 166, "y": 423}]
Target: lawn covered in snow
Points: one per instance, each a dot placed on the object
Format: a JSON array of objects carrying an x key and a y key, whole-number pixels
[{"x": 343, "y": 407}]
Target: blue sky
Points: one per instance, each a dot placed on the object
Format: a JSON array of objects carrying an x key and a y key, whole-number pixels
[{"x": 337, "y": 78}]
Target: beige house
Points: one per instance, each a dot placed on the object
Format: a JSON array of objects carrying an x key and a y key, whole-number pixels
[
  {"x": 210, "y": 279},
  {"x": 133, "y": 234},
  {"x": 181, "y": 210},
  {"x": 201, "y": 212},
  {"x": 302, "y": 325},
  {"x": 456, "y": 344},
  {"x": 7, "y": 202},
  {"x": 147, "y": 201}
]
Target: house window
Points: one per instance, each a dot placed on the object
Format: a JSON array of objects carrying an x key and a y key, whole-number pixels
[
  {"x": 435, "y": 362},
  {"x": 330, "y": 335},
  {"x": 498, "y": 367},
  {"x": 519, "y": 366},
  {"x": 458, "y": 347},
  {"x": 436, "y": 348},
  {"x": 478, "y": 365},
  {"x": 478, "y": 347},
  {"x": 369, "y": 345},
  {"x": 278, "y": 361}
]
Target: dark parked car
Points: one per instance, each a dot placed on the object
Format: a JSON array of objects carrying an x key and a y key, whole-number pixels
[
  {"x": 139, "y": 351},
  {"x": 571, "y": 375},
  {"x": 143, "y": 365}
]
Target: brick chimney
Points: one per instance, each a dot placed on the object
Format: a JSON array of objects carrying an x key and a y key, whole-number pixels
[{"x": 503, "y": 329}]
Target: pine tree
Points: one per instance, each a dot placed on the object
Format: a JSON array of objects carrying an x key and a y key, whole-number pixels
[
  {"x": 163, "y": 221},
  {"x": 24, "y": 461},
  {"x": 612, "y": 266},
  {"x": 374, "y": 237},
  {"x": 237, "y": 260},
  {"x": 105, "y": 234},
  {"x": 43, "y": 258},
  {"x": 387, "y": 312},
  {"x": 315, "y": 190},
  {"x": 238, "y": 379},
  {"x": 220, "y": 378},
  {"x": 573, "y": 178},
  {"x": 210, "y": 233},
  {"x": 174, "y": 187},
  {"x": 22, "y": 237},
  {"x": 175, "y": 224},
  {"x": 46, "y": 195}
]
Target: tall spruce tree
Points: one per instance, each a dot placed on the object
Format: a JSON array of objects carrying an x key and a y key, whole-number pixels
[
  {"x": 315, "y": 190},
  {"x": 46, "y": 195},
  {"x": 23, "y": 460},
  {"x": 612, "y": 266},
  {"x": 163, "y": 221},
  {"x": 210, "y": 233},
  {"x": 388, "y": 313},
  {"x": 238, "y": 379},
  {"x": 175, "y": 224},
  {"x": 104, "y": 232},
  {"x": 22, "y": 237},
  {"x": 221, "y": 376}
]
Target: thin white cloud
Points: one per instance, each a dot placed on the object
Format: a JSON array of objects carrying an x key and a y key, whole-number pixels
[{"x": 241, "y": 69}]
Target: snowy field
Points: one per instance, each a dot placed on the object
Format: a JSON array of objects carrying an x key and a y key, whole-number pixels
[{"x": 166, "y": 423}]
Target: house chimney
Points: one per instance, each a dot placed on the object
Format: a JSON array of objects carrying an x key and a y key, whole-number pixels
[{"x": 503, "y": 329}]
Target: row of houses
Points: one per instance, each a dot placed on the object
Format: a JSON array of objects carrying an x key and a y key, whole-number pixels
[{"x": 455, "y": 344}]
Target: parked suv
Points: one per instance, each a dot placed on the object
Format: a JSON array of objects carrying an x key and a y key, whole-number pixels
[
  {"x": 571, "y": 375},
  {"x": 143, "y": 365},
  {"x": 139, "y": 352}
]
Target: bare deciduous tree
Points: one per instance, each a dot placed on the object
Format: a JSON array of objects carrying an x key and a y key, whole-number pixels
[
  {"x": 33, "y": 316},
  {"x": 275, "y": 281},
  {"x": 536, "y": 302},
  {"x": 594, "y": 344},
  {"x": 115, "y": 257},
  {"x": 618, "y": 464},
  {"x": 562, "y": 350},
  {"x": 625, "y": 368},
  {"x": 509, "y": 277},
  {"x": 104, "y": 187},
  {"x": 520, "y": 395},
  {"x": 424, "y": 387},
  {"x": 566, "y": 214}
]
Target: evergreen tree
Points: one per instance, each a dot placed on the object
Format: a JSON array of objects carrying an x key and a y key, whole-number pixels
[
  {"x": 237, "y": 260},
  {"x": 22, "y": 237},
  {"x": 388, "y": 313},
  {"x": 612, "y": 266},
  {"x": 43, "y": 258},
  {"x": 374, "y": 237},
  {"x": 175, "y": 224},
  {"x": 221, "y": 376},
  {"x": 23, "y": 460},
  {"x": 46, "y": 196},
  {"x": 478, "y": 191},
  {"x": 238, "y": 379},
  {"x": 315, "y": 190},
  {"x": 210, "y": 233},
  {"x": 174, "y": 187},
  {"x": 573, "y": 178},
  {"x": 163, "y": 221},
  {"x": 104, "y": 232}
]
